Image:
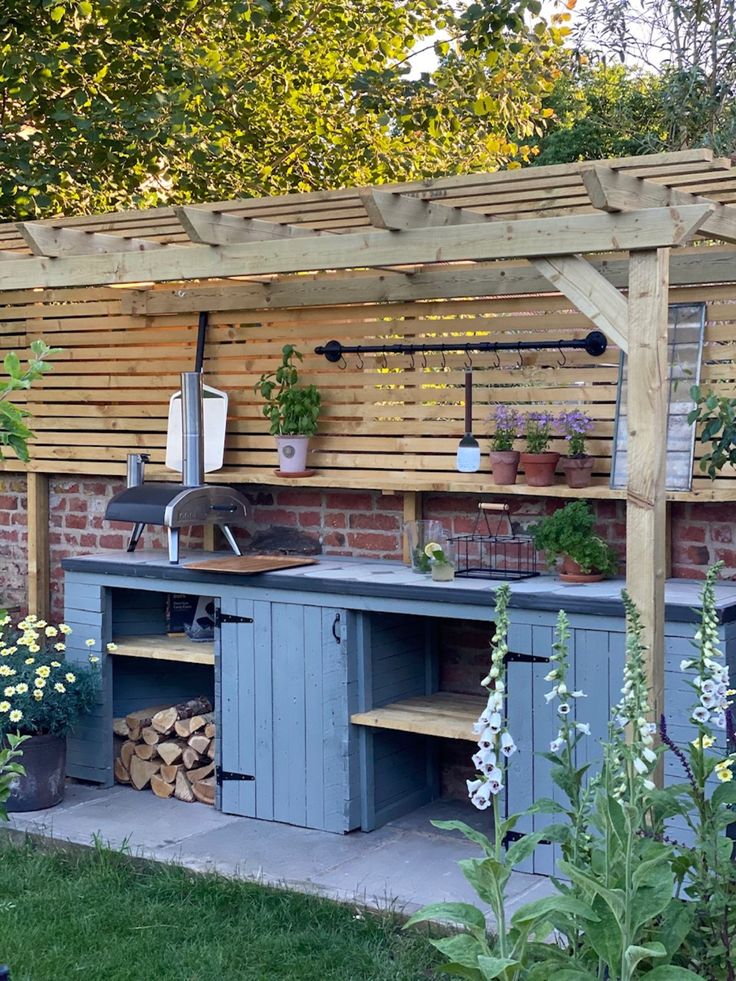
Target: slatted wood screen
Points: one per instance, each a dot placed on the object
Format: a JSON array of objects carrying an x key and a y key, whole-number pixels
[{"x": 392, "y": 425}]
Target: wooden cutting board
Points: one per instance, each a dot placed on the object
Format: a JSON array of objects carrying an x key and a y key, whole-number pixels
[{"x": 248, "y": 564}]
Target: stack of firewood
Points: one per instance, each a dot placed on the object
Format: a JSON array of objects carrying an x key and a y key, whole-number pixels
[{"x": 169, "y": 748}]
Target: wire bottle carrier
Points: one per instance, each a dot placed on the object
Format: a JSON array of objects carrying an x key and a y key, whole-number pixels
[{"x": 488, "y": 553}]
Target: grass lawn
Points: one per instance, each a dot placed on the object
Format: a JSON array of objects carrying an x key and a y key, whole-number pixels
[{"x": 98, "y": 916}]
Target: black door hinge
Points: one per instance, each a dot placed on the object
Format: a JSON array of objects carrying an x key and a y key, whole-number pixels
[
  {"x": 223, "y": 775},
  {"x": 511, "y": 836},
  {"x": 221, "y": 618},
  {"x": 512, "y": 658}
]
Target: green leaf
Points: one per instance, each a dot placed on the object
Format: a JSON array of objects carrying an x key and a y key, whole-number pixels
[
  {"x": 57, "y": 14},
  {"x": 477, "y": 837},
  {"x": 725, "y": 793},
  {"x": 635, "y": 953},
  {"x": 541, "y": 909},
  {"x": 497, "y": 967},
  {"x": 463, "y": 949},
  {"x": 463, "y": 914},
  {"x": 613, "y": 898},
  {"x": 487, "y": 876},
  {"x": 668, "y": 972}
]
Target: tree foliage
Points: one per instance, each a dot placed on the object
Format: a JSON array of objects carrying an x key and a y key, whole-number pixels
[{"x": 114, "y": 103}]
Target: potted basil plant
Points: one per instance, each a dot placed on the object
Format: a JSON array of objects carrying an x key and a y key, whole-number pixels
[
  {"x": 569, "y": 534},
  {"x": 292, "y": 409},
  {"x": 43, "y": 698}
]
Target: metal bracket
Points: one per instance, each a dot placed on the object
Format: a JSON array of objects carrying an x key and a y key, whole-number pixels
[
  {"x": 512, "y": 658},
  {"x": 221, "y": 618},
  {"x": 223, "y": 775}
]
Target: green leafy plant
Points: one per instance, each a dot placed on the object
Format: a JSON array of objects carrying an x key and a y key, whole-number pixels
[
  {"x": 569, "y": 532},
  {"x": 291, "y": 408},
  {"x": 39, "y": 692},
  {"x": 10, "y": 767},
  {"x": 716, "y": 415},
  {"x": 434, "y": 553},
  {"x": 13, "y": 431}
]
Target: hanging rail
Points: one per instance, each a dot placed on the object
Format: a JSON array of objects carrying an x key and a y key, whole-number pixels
[{"x": 594, "y": 344}]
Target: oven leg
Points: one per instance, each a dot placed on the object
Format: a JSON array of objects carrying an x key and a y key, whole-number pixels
[
  {"x": 135, "y": 535},
  {"x": 230, "y": 538},
  {"x": 173, "y": 534}
]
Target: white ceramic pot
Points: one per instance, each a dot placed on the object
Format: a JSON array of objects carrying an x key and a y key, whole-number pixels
[{"x": 292, "y": 453}]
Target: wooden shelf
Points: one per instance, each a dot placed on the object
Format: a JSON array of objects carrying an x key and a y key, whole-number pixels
[
  {"x": 442, "y": 714},
  {"x": 163, "y": 647}
]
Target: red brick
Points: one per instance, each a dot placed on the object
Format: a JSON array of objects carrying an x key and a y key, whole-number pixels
[
  {"x": 688, "y": 572},
  {"x": 689, "y": 533},
  {"x": 334, "y": 539},
  {"x": 88, "y": 541},
  {"x": 452, "y": 503},
  {"x": 721, "y": 533},
  {"x": 294, "y": 497},
  {"x": 348, "y": 501},
  {"x": 277, "y": 516},
  {"x": 78, "y": 504},
  {"x": 691, "y": 554},
  {"x": 727, "y": 555},
  {"x": 75, "y": 521},
  {"x": 372, "y": 542},
  {"x": 8, "y": 502},
  {"x": 111, "y": 541},
  {"x": 309, "y": 519},
  {"x": 374, "y": 521},
  {"x": 4, "y": 517},
  {"x": 335, "y": 519},
  {"x": 390, "y": 502}
]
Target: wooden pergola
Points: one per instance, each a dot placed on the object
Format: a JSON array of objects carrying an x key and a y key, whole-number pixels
[{"x": 608, "y": 239}]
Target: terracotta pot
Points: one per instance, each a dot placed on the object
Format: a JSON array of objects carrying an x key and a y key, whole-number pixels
[
  {"x": 540, "y": 468},
  {"x": 570, "y": 572},
  {"x": 44, "y": 760},
  {"x": 578, "y": 470},
  {"x": 504, "y": 466},
  {"x": 292, "y": 453}
]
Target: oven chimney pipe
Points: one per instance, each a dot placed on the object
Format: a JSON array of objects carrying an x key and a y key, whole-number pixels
[{"x": 192, "y": 429}]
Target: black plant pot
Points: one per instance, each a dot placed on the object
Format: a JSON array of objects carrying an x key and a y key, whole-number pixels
[{"x": 44, "y": 760}]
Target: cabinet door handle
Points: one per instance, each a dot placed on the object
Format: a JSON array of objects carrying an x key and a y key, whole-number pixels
[{"x": 335, "y": 632}]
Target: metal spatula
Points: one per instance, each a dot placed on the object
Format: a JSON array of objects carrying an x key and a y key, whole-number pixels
[{"x": 468, "y": 452}]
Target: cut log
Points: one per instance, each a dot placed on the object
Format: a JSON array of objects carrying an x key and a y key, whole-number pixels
[
  {"x": 210, "y": 754},
  {"x": 186, "y": 727},
  {"x": 190, "y": 758},
  {"x": 204, "y": 790},
  {"x": 150, "y": 736},
  {"x": 120, "y": 728},
  {"x": 138, "y": 720},
  {"x": 165, "y": 720},
  {"x": 141, "y": 772},
  {"x": 144, "y": 752},
  {"x": 210, "y": 729},
  {"x": 121, "y": 772},
  {"x": 170, "y": 751},
  {"x": 201, "y": 772},
  {"x": 127, "y": 750},
  {"x": 182, "y": 788},
  {"x": 168, "y": 772},
  {"x": 160, "y": 787},
  {"x": 200, "y": 742}
]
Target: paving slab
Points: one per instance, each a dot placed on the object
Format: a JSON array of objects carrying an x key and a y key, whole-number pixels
[{"x": 403, "y": 865}]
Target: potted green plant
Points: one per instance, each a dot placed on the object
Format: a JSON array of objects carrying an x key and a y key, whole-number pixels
[
  {"x": 538, "y": 461},
  {"x": 504, "y": 458},
  {"x": 442, "y": 568},
  {"x": 569, "y": 534},
  {"x": 576, "y": 426},
  {"x": 13, "y": 431},
  {"x": 41, "y": 697},
  {"x": 292, "y": 409}
]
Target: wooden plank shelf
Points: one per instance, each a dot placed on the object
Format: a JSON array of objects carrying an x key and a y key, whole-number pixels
[
  {"x": 442, "y": 714},
  {"x": 166, "y": 647}
]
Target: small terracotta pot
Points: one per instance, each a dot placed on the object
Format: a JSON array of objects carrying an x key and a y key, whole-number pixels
[
  {"x": 578, "y": 470},
  {"x": 540, "y": 468},
  {"x": 570, "y": 572},
  {"x": 504, "y": 466}
]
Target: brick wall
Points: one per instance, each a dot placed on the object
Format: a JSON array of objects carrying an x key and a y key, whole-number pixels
[
  {"x": 337, "y": 522},
  {"x": 13, "y": 556}
]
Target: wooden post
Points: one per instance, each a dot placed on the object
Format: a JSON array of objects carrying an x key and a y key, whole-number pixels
[
  {"x": 646, "y": 507},
  {"x": 38, "y": 544},
  {"x": 412, "y": 512}
]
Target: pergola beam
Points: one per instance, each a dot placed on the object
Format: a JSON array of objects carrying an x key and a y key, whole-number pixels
[
  {"x": 398, "y": 212},
  {"x": 530, "y": 238},
  {"x": 217, "y": 228},
  {"x": 591, "y": 293},
  {"x": 612, "y": 190},
  {"x": 55, "y": 242},
  {"x": 431, "y": 283}
]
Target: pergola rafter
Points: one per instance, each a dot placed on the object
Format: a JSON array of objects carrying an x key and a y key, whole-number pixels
[
  {"x": 217, "y": 228},
  {"x": 54, "y": 242},
  {"x": 398, "y": 212}
]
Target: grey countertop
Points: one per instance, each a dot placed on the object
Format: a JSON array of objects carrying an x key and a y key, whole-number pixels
[{"x": 366, "y": 577}]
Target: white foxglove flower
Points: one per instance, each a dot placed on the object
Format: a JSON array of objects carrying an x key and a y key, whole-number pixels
[
  {"x": 500, "y": 686},
  {"x": 700, "y": 714},
  {"x": 562, "y": 688},
  {"x": 479, "y": 793},
  {"x": 495, "y": 781},
  {"x": 718, "y": 719},
  {"x": 487, "y": 738},
  {"x": 550, "y": 695},
  {"x": 640, "y": 766},
  {"x": 578, "y": 694},
  {"x": 484, "y": 760},
  {"x": 563, "y": 708},
  {"x": 649, "y": 755},
  {"x": 508, "y": 746},
  {"x": 552, "y": 676},
  {"x": 649, "y": 784},
  {"x": 685, "y": 664},
  {"x": 495, "y": 722},
  {"x": 708, "y": 687},
  {"x": 556, "y": 745},
  {"x": 708, "y": 701},
  {"x": 583, "y": 727}
]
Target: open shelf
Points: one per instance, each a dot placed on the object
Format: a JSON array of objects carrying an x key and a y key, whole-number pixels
[
  {"x": 442, "y": 714},
  {"x": 166, "y": 647}
]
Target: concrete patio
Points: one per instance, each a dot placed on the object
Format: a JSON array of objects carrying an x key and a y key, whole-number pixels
[{"x": 403, "y": 865}]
